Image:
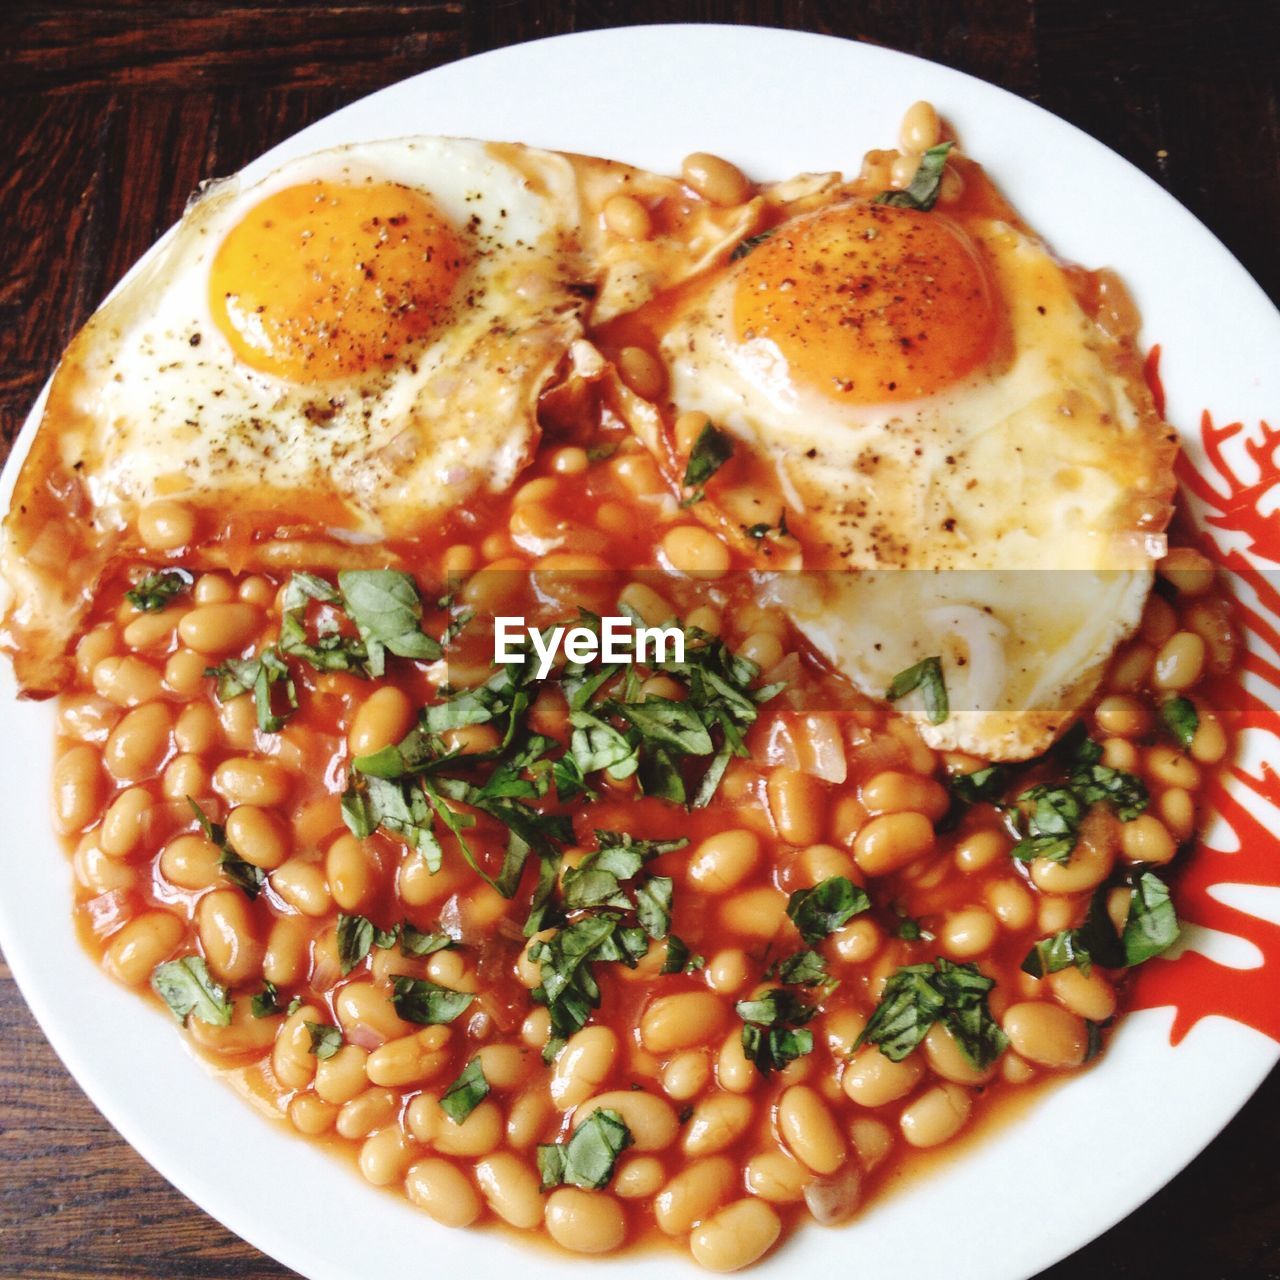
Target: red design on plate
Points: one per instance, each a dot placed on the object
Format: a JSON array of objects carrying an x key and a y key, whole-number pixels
[{"x": 1195, "y": 985}]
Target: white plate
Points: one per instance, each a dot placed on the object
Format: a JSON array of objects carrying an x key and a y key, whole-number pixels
[{"x": 776, "y": 102}]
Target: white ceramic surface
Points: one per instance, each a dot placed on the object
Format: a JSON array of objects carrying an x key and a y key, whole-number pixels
[{"x": 778, "y": 103}]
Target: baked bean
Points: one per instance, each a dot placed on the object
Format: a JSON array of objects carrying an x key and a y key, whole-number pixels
[
  {"x": 124, "y": 822},
  {"x": 722, "y": 861},
  {"x": 528, "y": 1118},
  {"x": 1124, "y": 715},
  {"x": 1089, "y": 995},
  {"x": 686, "y": 1076},
  {"x": 841, "y": 1028},
  {"x": 1089, "y": 865},
  {"x": 309, "y": 1114},
  {"x": 1010, "y": 903},
  {"x": 191, "y": 862},
  {"x": 292, "y": 1060},
  {"x": 570, "y": 461},
  {"x": 442, "y": 1191},
  {"x": 653, "y": 1122},
  {"x": 797, "y": 804},
  {"x": 872, "y": 1080},
  {"x": 717, "y": 1122},
  {"x": 196, "y": 729},
  {"x": 638, "y": 1178},
  {"x": 244, "y": 1034},
  {"x": 943, "y": 1054},
  {"x": 735, "y": 1072},
  {"x": 1177, "y": 812},
  {"x": 257, "y": 836},
  {"x": 1159, "y": 620},
  {"x": 1180, "y": 661},
  {"x": 1119, "y": 753},
  {"x": 727, "y": 971},
  {"x": 1187, "y": 570},
  {"x": 1209, "y": 744},
  {"x": 142, "y": 944},
  {"x": 697, "y": 1191},
  {"x": 693, "y": 550},
  {"x": 536, "y": 1028},
  {"x": 166, "y": 525},
  {"x": 1172, "y": 768},
  {"x": 138, "y": 743},
  {"x": 625, "y": 216},
  {"x": 220, "y": 628},
  {"x": 184, "y": 776},
  {"x": 1131, "y": 667},
  {"x": 1147, "y": 839},
  {"x": 682, "y": 1021},
  {"x": 921, "y": 128},
  {"x": 409, "y": 1060},
  {"x": 857, "y": 941},
  {"x": 86, "y": 717},
  {"x": 366, "y": 1010},
  {"x": 99, "y": 873},
  {"x": 585, "y": 1221},
  {"x": 302, "y": 885},
  {"x": 808, "y": 1129},
  {"x": 153, "y": 630},
  {"x": 715, "y": 179},
  {"x": 384, "y": 717},
  {"x": 776, "y": 1177},
  {"x": 384, "y": 1156},
  {"x": 504, "y": 1065},
  {"x": 244, "y": 780},
  {"x": 511, "y": 1190},
  {"x": 872, "y": 1140},
  {"x": 285, "y": 959},
  {"x": 892, "y": 841},
  {"x": 763, "y": 648},
  {"x": 1045, "y": 1034},
  {"x": 903, "y": 170},
  {"x": 98, "y": 643},
  {"x": 184, "y": 675},
  {"x": 1211, "y": 621},
  {"x": 367, "y": 1112},
  {"x": 896, "y": 792},
  {"x": 936, "y": 1116},
  {"x": 643, "y": 372},
  {"x": 127, "y": 681},
  {"x": 738, "y": 1235},
  {"x": 583, "y": 1065},
  {"x": 478, "y": 1135},
  {"x": 78, "y": 789},
  {"x": 968, "y": 933},
  {"x": 351, "y": 873},
  {"x": 343, "y": 1076}
]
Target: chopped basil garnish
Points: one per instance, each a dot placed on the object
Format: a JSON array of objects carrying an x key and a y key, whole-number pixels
[
  {"x": 244, "y": 875},
  {"x": 678, "y": 959},
  {"x": 414, "y": 942},
  {"x": 357, "y": 936},
  {"x": 186, "y": 987},
  {"x": 1181, "y": 719},
  {"x": 922, "y": 193},
  {"x": 237, "y": 676},
  {"x": 744, "y": 247},
  {"x": 387, "y": 610},
  {"x": 151, "y": 593},
  {"x": 326, "y": 1040},
  {"x": 1152, "y": 924},
  {"x": 466, "y": 1093},
  {"x": 918, "y": 995},
  {"x": 267, "y": 1002},
  {"x": 826, "y": 907},
  {"x": 982, "y": 785},
  {"x": 427, "y": 1003},
  {"x": 926, "y": 676},
  {"x": 588, "y": 1158},
  {"x": 773, "y": 1031},
  {"x": 711, "y": 450},
  {"x": 803, "y": 969}
]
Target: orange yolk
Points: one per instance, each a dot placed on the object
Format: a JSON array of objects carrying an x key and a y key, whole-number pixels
[
  {"x": 868, "y": 302},
  {"x": 326, "y": 281}
]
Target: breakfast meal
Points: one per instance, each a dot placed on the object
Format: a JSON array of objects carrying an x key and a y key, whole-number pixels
[{"x": 636, "y": 706}]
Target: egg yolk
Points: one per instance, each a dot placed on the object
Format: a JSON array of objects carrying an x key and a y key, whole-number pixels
[
  {"x": 869, "y": 302},
  {"x": 326, "y": 281}
]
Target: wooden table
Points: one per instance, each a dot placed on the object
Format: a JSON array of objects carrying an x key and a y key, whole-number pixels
[{"x": 112, "y": 113}]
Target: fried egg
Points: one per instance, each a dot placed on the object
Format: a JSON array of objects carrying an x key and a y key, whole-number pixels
[{"x": 966, "y": 458}]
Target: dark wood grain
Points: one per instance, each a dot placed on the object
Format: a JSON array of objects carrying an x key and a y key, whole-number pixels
[{"x": 111, "y": 114}]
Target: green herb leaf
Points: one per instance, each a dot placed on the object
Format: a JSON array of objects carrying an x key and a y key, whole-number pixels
[
  {"x": 426, "y": 1003},
  {"x": 918, "y": 995},
  {"x": 826, "y": 907},
  {"x": 267, "y": 1002},
  {"x": 247, "y": 877},
  {"x": 414, "y": 942},
  {"x": 711, "y": 450},
  {"x": 773, "y": 1031},
  {"x": 1181, "y": 719},
  {"x": 157, "y": 588},
  {"x": 259, "y": 676},
  {"x": 653, "y": 905},
  {"x": 186, "y": 987},
  {"x": 387, "y": 610},
  {"x": 326, "y": 1040},
  {"x": 466, "y": 1093},
  {"x": 678, "y": 959},
  {"x": 588, "y": 1158},
  {"x": 922, "y": 193},
  {"x": 355, "y": 937},
  {"x": 744, "y": 247},
  {"x": 926, "y": 676},
  {"x": 803, "y": 969},
  {"x": 1152, "y": 925}
]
